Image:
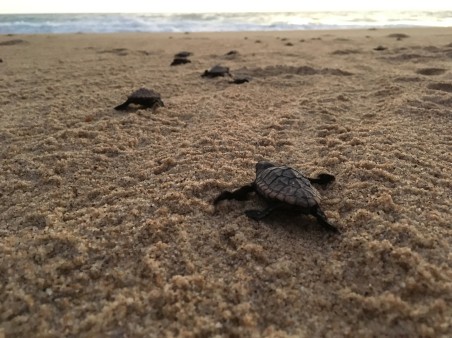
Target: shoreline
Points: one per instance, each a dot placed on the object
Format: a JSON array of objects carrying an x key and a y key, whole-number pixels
[
  {"x": 214, "y": 22},
  {"x": 419, "y": 29}
]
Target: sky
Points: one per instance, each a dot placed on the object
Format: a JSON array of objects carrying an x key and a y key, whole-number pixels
[{"x": 196, "y": 6}]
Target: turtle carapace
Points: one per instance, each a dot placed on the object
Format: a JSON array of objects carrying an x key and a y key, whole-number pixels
[{"x": 144, "y": 97}]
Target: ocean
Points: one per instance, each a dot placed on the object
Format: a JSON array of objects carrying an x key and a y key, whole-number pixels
[{"x": 214, "y": 22}]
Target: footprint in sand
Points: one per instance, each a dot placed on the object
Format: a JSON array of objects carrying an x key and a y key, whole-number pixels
[
  {"x": 445, "y": 87},
  {"x": 405, "y": 57},
  {"x": 283, "y": 70},
  {"x": 346, "y": 52},
  {"x": 12, "y": 42},
  {"x": 34, "y": 220},
  {"x": 117, "y": 51},
  {"x": 398, "y": 36},
  {"x": 431, "y": 71}
]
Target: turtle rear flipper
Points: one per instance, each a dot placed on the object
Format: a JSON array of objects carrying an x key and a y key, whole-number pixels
[
  {"x": 321, "y": 218},
  {"x": 123, "y": 106}
]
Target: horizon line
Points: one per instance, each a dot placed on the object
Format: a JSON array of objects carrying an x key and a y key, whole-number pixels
[{"x": 239, "y": 12}]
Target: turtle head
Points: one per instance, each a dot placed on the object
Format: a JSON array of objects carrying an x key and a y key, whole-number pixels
[{"x": 262, "y": 165}]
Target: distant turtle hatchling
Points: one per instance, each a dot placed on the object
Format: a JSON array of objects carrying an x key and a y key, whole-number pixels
[
  {"x": 179, "y": 61},
  {"x": 216, "y": 71},
  {"x": 144, "y": 97},
  {"x": 181, "y": 58},
  {"x": 183, "y": 54},
  {"x": 283, "y": 187},
  {"x": 232, "y": 53},
  {"x": 240, "y": 79}
]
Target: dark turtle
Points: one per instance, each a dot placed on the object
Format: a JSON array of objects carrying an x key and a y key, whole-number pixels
[
  {"x": 378, "y": 48},
  {"x": 183, "y": 54},
  {"x": 282, "y": 186},
  {"x": 145, "y": 97},
  {"x": 216, "y": 71},
  {"x": 179, "y": 61}
]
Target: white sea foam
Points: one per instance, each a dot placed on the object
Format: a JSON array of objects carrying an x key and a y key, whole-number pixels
[{"x": 110, "y": 23}]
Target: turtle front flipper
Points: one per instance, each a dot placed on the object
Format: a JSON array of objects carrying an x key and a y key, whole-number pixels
[
  {"x": 322, "y": 179},
  {"x": 240, "y": 194},
  {"x": 321, "y": 218},
  {"x": 123, "y": 106}
]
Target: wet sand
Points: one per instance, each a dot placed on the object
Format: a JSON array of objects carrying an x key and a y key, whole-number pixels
[{"x": 106, "y": 221}]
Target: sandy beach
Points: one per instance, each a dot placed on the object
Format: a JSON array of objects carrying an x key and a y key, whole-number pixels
[{"x": 107, "y": 227}]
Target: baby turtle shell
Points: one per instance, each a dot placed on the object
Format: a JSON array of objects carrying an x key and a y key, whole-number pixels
[
  {"x": 143, "y": 96},
  {"x": 286, "y": 185},
  {"x": 283, "y": 187}
]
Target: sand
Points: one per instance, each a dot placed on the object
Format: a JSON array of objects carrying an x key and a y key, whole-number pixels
[{"x": 107, "y": 227}]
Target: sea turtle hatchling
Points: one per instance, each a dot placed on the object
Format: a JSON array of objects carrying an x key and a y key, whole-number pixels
[
  {"x": 240, "y": 79},
  {"x": 183, "y": 54},
  {"x": 179, "y": 61},
  {"x": 282, "y": 186},
  {"x": 145, "y": 97},
  {"x": 216, "y": 71}
]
